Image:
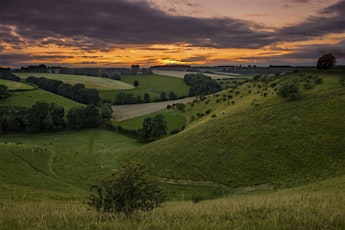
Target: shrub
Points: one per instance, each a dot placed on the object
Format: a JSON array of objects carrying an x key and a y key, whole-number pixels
[
  {"x": 289, "y": 89},
  {"x": 128, "y": 190}
]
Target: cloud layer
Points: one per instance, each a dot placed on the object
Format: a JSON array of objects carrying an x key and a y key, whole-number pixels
[{"x": 105, "y": 24}]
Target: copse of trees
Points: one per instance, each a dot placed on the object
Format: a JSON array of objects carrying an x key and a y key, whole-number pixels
[
  {"x": 201, "y": 84},
  {"x": 77, "y": 92},
  {"x": 49, "y": 117},
  {"x": 41, "y": 117},
  {"x": 5, "y": 73}
]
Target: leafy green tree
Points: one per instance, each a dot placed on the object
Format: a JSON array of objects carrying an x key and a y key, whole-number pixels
[
  {"x": 93, "y": 118},
  {"x": 106, "y": 111},
  {"x": 128, "y": 190},
  {"x": 76, "y": 117},
  {"x": 326, "y": 61},
  {"x": 153, "y": 128},
  {"x": 4, "y": 93}
]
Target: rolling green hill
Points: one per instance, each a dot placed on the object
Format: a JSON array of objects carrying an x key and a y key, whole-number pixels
[{"x": 257, "y": 140}]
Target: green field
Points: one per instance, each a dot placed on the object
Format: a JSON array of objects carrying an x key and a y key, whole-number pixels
[
  {"x": 29, "y": 98},
  {"x": 89, "y": 82},
  {"x": 174, "y": 121},
  {"x": 16, "y": 85},
  {"x": 265, "y": 161},
  {"x": 151, "y": 84}
]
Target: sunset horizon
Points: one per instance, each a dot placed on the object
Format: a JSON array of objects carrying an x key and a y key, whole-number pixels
[{"x": 106, "y": 34}]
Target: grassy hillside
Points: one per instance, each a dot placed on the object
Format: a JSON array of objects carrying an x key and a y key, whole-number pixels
[
  {"x": 152, "y": 84},
  {"x": 15, "y": 85},
  {"x": 260, "y": 139},
  {"x": 28, "y": 98},
  {"x": 89, "y": 82},
  {"x": 76, "y": 158}
]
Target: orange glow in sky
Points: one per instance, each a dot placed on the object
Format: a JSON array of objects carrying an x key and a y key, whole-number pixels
[{"x": 156, "y": 32}]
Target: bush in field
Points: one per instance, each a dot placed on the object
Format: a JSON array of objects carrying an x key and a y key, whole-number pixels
[
  {"x": 289, "y": 89},
  {"x": 128, "y": 190}
]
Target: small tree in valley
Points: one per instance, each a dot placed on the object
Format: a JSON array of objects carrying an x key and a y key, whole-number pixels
[{"x": 128, "y": 190}]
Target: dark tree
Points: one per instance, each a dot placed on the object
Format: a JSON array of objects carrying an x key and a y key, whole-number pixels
[
  {"x": 164, "y": 96},
  {"x": 147, "y": 98},
  {"x": 4, "y": 93},
  {"x": 172, "y": 96},
  {"x": 326, "y": 61},
  {"x": 135, "y": 69},
  {"x": 128, "y": 190}
]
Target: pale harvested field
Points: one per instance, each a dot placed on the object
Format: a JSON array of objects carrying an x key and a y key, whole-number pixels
[
  {"x": 180, "y": 74},
  {"x": 124, "y": 112}
]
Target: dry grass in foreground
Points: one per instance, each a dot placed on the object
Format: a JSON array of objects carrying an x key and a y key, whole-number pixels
[{"x": 318, "y": 206}]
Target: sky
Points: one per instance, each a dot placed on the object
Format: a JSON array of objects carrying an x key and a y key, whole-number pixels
[{"x": 119, "y": 33}]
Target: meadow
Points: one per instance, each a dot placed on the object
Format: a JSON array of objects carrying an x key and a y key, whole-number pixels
[
  {"x": 89, "y": 82},
  {"x": 16, "y": 85}
]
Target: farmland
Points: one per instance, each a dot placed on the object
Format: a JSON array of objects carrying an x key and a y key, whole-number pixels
[
  {"x": 256, "y": 160},
  {"x": 89, "y": 82}
]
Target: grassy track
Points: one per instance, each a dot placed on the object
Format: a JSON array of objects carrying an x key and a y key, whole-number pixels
[
  {"x": 89, "y": 82},
  {"x": 16, "y": 85}
]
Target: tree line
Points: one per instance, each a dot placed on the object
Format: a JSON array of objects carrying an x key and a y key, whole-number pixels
[
  {"x": 77, "y": 92},
  {"x": 49, "y": 117},
  {"x": 201, "y": 84}
]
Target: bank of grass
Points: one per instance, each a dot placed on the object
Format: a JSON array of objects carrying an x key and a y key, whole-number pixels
[
  {"x": 98, "y": 83},
  {"x": 314, "y": 206},
  {"x": 29, "y": 98},
  {"x": 154, "y": 85},
  {"x": 175, "y": 121},
  {"x": 16, "y": 85},
  {"x": 260, "y": 139}
]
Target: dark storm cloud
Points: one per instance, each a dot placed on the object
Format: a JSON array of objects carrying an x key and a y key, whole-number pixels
[
  {"x": 105, "y": 23},
  {"x": 330, "y": 20}
]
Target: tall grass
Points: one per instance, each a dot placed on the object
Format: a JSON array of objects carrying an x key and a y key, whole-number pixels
[{"x": 316, "y": 206}]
